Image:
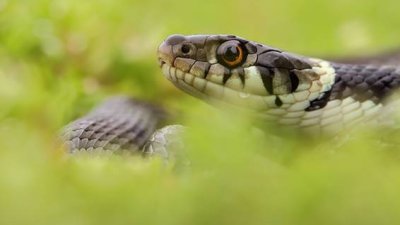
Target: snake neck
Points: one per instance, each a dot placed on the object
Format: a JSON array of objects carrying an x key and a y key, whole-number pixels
[{"x": 357, "y": 93}]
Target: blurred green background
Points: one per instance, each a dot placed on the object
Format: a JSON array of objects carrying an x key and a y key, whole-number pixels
[{"x": 60, "y": 58}]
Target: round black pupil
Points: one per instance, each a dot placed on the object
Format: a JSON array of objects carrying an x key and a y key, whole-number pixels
[
  {"x": 231, "y": 53},
  {"x": 185, "y": 49}
]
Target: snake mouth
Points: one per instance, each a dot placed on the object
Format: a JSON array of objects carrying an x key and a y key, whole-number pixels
[
  {"x": 161, "y": 62},
  {"x": 185, "y": 81},
  {"x": 215, "y": 93}
]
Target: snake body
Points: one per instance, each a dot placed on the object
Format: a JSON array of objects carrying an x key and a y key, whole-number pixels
[
  {"x": 119, "y": 124},
  {"x": 293, "y": 90}
]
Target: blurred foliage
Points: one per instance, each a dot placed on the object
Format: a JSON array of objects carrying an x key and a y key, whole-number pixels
[{"x": 59, "y": 58}]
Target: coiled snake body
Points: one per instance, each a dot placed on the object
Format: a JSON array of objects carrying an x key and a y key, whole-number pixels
[{"x": 293, "y": 90}]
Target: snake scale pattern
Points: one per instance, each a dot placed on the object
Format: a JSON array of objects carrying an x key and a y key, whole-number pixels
[
  {"x": 293, "y": 90},
  {"x": 119, "y": 124}
]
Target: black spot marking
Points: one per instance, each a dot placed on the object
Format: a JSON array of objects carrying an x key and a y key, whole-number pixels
[
  {"x": 278, "y": 101},
  {"x": 320, "y": 102},
  {"x": 266, "y": 76},
  {"x": 241, "y": 76},
  {"x": 294, "y": 81},
  {"x": 226, "y": 77},
  {"x": 206, "y": 70}
]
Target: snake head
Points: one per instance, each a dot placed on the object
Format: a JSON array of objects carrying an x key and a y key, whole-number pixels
[{"x": 231, "y": 69}]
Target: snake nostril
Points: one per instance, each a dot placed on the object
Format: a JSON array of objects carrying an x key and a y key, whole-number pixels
[{"x": 185, "y": 49}]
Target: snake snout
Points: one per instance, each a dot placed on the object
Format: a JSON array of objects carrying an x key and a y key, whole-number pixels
[
  {"x": 166, "y": 49},
  {"x": 165, "y": 54}
]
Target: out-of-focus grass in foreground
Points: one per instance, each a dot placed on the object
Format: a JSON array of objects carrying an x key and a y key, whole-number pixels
[{"x": 59, "y": 58}]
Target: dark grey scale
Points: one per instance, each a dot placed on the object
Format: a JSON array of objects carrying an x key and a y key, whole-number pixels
[
  {"x": 127, "y": 132},
  {"x": 364, "y": 82},
  {"x": 120, "y": 123},
  {"x": 140, "y": 133},
  {"x": 92, "y": 133},
  {"x": 274, "y": 60},
  {"x": 299, "y": 62},
  {"x": 251, "y": 48}
]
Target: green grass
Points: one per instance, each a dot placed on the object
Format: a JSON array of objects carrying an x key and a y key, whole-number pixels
[{"x": 59, "y": 58}]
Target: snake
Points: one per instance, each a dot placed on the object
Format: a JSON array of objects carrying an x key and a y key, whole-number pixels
[{"x": 289, "y": 89}]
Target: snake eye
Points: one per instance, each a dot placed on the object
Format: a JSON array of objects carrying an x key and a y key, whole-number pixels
[{"x": 231, "y": 54}]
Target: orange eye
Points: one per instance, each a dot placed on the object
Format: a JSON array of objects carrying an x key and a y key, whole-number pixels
[{"x": 231, "y": 54}]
